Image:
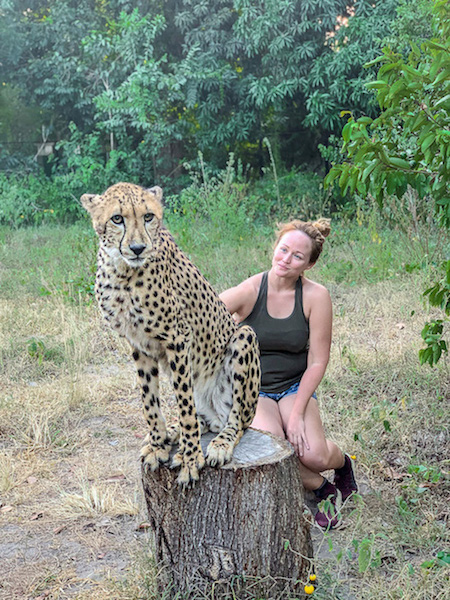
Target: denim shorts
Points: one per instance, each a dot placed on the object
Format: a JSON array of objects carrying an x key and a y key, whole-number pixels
[{"x": 277, "y": 397}]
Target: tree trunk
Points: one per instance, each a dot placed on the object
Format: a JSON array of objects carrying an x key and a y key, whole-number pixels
[{"x": 239, "y": 532}]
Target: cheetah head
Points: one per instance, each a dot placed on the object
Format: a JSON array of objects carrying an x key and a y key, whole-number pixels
[{"x": 127, "y": 219}]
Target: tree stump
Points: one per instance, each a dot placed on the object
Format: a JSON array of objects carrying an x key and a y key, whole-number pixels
[{"x": 239, "y": 532}]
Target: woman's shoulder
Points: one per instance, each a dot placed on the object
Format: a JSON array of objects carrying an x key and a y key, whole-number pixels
[
  {"x": 254, "y": 282},
  {"x": 314, "y": 290},
  {"x": 241, "y": 298},
  {"x": 316, "y": 298}
]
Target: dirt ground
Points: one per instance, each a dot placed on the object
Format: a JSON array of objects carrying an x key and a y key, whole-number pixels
[
  {"x": 47, "y": 550},
  {"x": 48, "y": 554}
]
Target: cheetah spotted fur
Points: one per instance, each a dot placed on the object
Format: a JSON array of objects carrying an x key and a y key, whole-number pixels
[{"x": 151, "y": 294}]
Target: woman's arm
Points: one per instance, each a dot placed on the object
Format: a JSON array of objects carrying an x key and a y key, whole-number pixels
[
  {"x": 320, "y": 325},
  {"x": 241, "y": 299}
]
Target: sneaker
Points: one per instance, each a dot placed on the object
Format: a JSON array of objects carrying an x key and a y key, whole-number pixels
[
  {"x": 328, "y": 512},
  {"x": 344, "y": 479}
]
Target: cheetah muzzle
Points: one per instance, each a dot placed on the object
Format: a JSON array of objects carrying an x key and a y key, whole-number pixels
[{"x": 152, "y": 294}]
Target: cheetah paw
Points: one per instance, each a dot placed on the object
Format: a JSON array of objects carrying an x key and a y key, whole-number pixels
[
  {"x": 154, "y": 457},
  {"x": 218, "y": 453},
  {"x": 190, "y": 466}
]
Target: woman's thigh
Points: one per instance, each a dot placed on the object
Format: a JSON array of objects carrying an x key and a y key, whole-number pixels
[
  {"x": 318, "y": 448},
  {"x": 268, "y": 417}
]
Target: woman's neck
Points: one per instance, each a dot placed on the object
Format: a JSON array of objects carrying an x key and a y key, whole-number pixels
[{"x": 281, "y": 284}]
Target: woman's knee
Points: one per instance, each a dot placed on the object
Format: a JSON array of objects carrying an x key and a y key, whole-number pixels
[{"x": 316, "y": 459}]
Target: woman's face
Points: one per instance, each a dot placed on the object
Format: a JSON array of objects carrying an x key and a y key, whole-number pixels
[{"x": 292, "y": 255}]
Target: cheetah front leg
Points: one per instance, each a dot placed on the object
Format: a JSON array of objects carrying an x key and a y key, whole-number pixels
[
  {"x": 243, "y": 369},
  {"x": 158, "y": 443},
  {"x": 190, "y": 455}
]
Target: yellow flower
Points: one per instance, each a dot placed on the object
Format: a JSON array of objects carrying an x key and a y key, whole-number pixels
[
  {"x": 309, "y": 589},
  {"x": 353, "y": 457},
  {"x": 312, "y": 577}
]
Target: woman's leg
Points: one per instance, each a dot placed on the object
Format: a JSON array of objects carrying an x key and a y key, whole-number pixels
[
  {"x": 323, "y": 454},
  {"x": 268, "y": 418}
]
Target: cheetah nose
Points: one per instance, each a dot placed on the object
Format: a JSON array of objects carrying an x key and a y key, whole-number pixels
[{"x": 137, "y": 248}]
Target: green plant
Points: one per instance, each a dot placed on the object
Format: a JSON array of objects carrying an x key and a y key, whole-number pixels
[
  {"x": 217, "y": 201},
  {"x": 442, "y": 559},
  {"x": 408, "y": 144},
  {"x": 369, "y": 556}
]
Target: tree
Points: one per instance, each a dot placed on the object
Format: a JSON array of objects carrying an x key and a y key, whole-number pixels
[
  {"x": 408, "y": 144},
  {"x": 337, "y": 78},
  {"x": 246, "y": 64},
  {"x": 233, "y": 69}
]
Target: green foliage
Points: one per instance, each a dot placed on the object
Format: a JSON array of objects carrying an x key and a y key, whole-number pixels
[
  {"x": 38, "y": 351},
  {"x": 408, "y": 144},
  {"x": 219, "y": 201},
  {"x": 162, "y": 80},
  {"x": 442, "y": 560},
  {"x": 413, "y": 24},
  {"x": 337, "y": 78}
]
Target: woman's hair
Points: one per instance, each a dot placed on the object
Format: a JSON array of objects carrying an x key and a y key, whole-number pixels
[{"x": 316, "y": 231}]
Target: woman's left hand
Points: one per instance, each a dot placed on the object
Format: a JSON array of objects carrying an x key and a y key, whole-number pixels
[{"x": 296, "y": 434}]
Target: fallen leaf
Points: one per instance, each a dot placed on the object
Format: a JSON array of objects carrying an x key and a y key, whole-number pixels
[
  {"x": 59, "y": 529},
  {"x": 5, "y": 509},
  {"x": 139, "y": 435},
  {"x": 36, "y": 516},
  {"x": 144, "y": 526},
  {"x": 400, "y": 325},
  {"x": 117, "y": 477},
  {"x": 100, "y": 556},
  {"x": 390, "y": 473}
]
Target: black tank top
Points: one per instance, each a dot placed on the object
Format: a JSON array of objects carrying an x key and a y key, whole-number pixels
[{"x": 283, "y": 342}]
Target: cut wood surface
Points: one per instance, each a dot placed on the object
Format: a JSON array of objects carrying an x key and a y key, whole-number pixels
[{"x": 239, "y": 532}]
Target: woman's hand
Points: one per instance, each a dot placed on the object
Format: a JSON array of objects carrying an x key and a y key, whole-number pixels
[{"x": 296, "y": 434}]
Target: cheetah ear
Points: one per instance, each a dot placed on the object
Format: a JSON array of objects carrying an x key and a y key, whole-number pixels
[
  {"x": 89, "y": 201},
  {"x": 157, "y": 192}
]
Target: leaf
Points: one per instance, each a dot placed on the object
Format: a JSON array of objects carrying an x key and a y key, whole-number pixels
[
  {"x": 364, "y": 555},
  {"x": 368, "y": 170},
  {"x": 399, "y": 162},
  {"x": 443, "y": 102},
  {"x": 36, "y": 516},
  {"x": 376, "y": 85},
  {"x": 347, "y": 130},
  {"x": 444, "y": 75},
  {"x": 427, "y": 142},
  {"x": 375, "y": 61}
]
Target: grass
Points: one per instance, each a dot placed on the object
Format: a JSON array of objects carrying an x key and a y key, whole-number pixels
[{"x": 71, "y": 424}]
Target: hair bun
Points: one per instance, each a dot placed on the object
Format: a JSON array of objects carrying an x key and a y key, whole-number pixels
[{"x": 323, "y": 225}]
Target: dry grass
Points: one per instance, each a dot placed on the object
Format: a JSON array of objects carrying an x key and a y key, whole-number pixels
[{"x": 71, "y": 505}]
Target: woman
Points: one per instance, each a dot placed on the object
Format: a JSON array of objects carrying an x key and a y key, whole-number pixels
[{"x": 292, "y": 318}]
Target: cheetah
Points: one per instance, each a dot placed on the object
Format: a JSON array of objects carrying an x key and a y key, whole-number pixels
[{"x": 151, "y": 294}]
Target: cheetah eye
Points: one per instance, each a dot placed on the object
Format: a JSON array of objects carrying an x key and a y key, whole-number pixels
[
  {"x": 148, "y": 217},
  {"x": 117, "y": 219}
]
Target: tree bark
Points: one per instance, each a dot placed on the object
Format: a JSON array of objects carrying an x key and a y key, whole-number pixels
[{"x": 239, "y": 532}]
